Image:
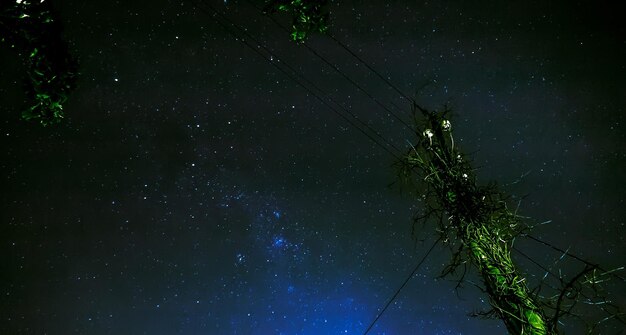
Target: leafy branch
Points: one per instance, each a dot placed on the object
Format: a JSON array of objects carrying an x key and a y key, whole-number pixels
[
  {"x": 308, "y": 16},
  {"x": 30, "y": 27}
]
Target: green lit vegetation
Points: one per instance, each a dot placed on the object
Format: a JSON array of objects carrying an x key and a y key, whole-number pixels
[
  {"x": 479, "y": 227},
  {"x": 30, "y": 27},
  {"x": 309, "y": 16}
]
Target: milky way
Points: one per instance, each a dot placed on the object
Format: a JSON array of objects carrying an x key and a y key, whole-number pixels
[{"x": 195, "y": 189}]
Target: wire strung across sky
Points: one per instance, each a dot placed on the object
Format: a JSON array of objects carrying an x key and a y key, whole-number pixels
[
  {"x": 336, "y": 69},
  {"x": 226, "y": 27},
  {"x": 414, "y": 103},
  {"x": 562, "y": 282},
  {"x": 388, "y": 82},
  {"x": 298, "y": 78},
  {"x": 567, "y": 253},
  {"x": 395, "y": 295}
]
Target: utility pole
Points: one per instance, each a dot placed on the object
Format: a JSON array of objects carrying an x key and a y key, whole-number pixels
[{"x": 475, "y": 220}]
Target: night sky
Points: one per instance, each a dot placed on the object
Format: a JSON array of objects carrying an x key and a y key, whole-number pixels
[{"x": 195, "y": 189}]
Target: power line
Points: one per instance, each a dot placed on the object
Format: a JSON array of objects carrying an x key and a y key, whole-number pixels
[
  {"x": 369, "y": 95},
  {"x": 290, "y": 76},
  {"x": 242, "y": 31},
  {"x": 561, "y": 281},
  {"x": 388, "y": 82},
  {"x": 539, "y": 265},
  {"x": 565, "y": 252},
  {"x": 402, "y": 286},
  {"x": 305, "y": 87},
  {"x": 336, "y": 69},
  {"x": 215, "y": 12}
]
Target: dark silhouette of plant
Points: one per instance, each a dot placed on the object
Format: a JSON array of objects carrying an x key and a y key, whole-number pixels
[
  {"x": 307, "y": 16},
  {"x": 30, "y": 27}
]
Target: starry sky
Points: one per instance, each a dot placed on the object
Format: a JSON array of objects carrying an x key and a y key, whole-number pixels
[{"x": 196, "y": 189}]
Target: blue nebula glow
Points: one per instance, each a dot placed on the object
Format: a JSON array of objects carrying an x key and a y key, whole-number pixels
[{"x": 279, "y": 242}]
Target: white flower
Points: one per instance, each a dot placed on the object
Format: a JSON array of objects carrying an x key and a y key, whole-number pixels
[
  {"x": 18, "y": 1},
  {"x": 429, "y": 134},
  {"x": 465, "y": 175},
  {"x": 446, "y": 125}
]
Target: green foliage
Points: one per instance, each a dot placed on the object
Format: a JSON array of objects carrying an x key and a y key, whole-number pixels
[
  {"x": 476, "y": 223},
  {"x": 507, "y": 290},
  {"x": 307, "y": 16},
  {"x": 473, "y": 218},
  {"x": 30, "y": 27}
]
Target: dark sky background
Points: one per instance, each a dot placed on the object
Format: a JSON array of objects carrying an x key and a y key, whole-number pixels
[{"x": 195, "y": 189}]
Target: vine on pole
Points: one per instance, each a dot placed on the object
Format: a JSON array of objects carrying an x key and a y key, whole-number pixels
[{"x": 477, "y": 224}]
